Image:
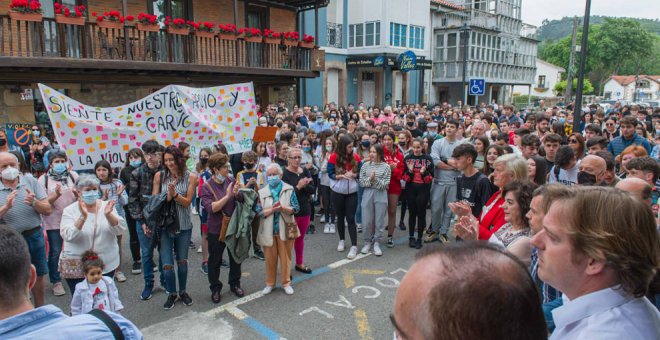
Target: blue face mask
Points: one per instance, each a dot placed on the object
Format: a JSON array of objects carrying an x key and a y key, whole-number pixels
[
  {"x": 136, "y": 164},
  {"x": 36, "y": 133},
  {"x": 90, "y": 197},
  {"x": 562, "y": 120},
  {"x": 60, "y": 168},
  {"x": 307, "y": 148},
  {"x": 274, "y": 180}
]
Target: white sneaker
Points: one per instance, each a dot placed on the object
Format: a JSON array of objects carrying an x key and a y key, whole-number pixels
[
  {"x": 267, "y": 290},
  {"x": 340, "y": 246},
  {"x": 120, "y": 277},
  {"x": 58, "y": 289},
  {"x": 359, "y": 228},
  {"x": 352, "y": 253},
  {"x": 333, "y": 228},
  {"x": 366, "y": 248},
  {"x": 326, "y": 229},
  {"x": 288, "y": 290},
  {"x": 322, "y": 219},
  {"x": 199, "y": 250},
  {"x": 377, "y": 250}
]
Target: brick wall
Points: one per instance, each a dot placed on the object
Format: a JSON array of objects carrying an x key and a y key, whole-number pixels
[{"x": 282, "y": 20}]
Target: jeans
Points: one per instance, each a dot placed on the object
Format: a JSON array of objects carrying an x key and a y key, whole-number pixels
[
  {"x": 418, "y": 198},
  {"x": 178, "y": 244},
  {"x": 328, "y": 205},
  {"x": 441, "y": 195},
  {"x": 55, "y": 244},
  {"x": 216, "y": 248},
  {"x": 346, "y": 206},
  {"x": 358, "y": 210},
  {"x": 147, "y": 253},
  {"x": 73, "y": 282},
  {"x": 37, "y": 247}
]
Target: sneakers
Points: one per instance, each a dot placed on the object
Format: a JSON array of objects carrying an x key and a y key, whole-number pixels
[
  {"x": 430, "y": 237},
  {"x": 412, "y": 243},
  {"x": 136, "y": 268},
  {"x": 288, "y": 290},
  {"x": 146, "y": 292},
  {"x": 359, "y": 228},
  {"x": 341, "y": 246},
  {"x": 352, "y": 253},
  {"x": 321, "y": 213},
  {"x": 199, "y": 250},
  {"x": 418, "y": 245},
  {"x": 171, "y": 300},
  {"x": 58, "y": 289},
  {"x": 205, "y": 268},
  {"x": 267, "y": 290},
  {"x": 402, "y": 225},
  {"x": 443, "y": 238},
  {"x": 194, "y": 211},
  {"x": 322, "y": 219},
  {"x": 192, "y": 245},
  {"x": 333, "y": 228},
  {"x": 120, "y": 277},
  {"x": 377, "y": 250},
  {"x": 366, "y": 248},
  {"x": 186, "y": 299},
  {"x": 311, "y": 229},
  {"x": 390, "y": 242},
  {"x": 326, "y": 228},
  {"x": 259, "y": 254},
  {"x": 224, "y": 263}
]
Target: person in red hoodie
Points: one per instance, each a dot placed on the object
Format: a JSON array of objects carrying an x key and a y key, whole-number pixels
[
  {"x": 394, "y": 158},
  {"x": 508, "y": 167}
]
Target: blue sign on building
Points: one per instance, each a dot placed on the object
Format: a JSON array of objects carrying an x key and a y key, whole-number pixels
[
  {"x": 407, "y": 61},
  {"x": 477, "y": 87},
  {"x": 379, "y": 61}
]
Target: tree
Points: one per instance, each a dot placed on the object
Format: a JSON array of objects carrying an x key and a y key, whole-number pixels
[{"x": 560, "y": 87}]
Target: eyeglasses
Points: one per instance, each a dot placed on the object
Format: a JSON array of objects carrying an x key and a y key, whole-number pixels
[
  {"x": 35, "y": 129},
  {"x": 609, "y": 124},
  {"x": 295, "y": 157},
  {"x": 573, "y": 141}
]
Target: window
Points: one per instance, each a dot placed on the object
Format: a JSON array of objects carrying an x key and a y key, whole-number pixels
[
  {"x": 451, "y": 46},
  {"x": 372, "y": 34},
  {"x": 416, "y": 37},
  {"x": 359, "y": 35},
  {"x": 398, "y": 34}
]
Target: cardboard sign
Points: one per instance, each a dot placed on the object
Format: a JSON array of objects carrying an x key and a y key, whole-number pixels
[
  {"x": 264, "y": 134},
  {"x": 19, "y": 134},
  {"x": 198, "y": 116}
]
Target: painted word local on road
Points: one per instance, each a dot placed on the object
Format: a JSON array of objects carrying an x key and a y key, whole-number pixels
[{"x": 198, "y": 116}]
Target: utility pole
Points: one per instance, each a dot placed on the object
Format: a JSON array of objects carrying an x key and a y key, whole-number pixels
[
  {"x": 465, "y": 37},
  {"x": 569, "y": 75},
  {"x": 577, "y": 110}
]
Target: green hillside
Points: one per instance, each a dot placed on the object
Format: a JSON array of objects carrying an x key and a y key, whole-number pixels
[{"x": 553, "y": 30}]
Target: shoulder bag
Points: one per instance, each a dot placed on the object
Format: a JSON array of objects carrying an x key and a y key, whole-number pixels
[
  {"x": 291, "y": 227},
  {"x": 72, "y": 267}
]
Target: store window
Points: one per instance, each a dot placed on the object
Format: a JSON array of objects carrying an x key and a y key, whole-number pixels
[{"x": 398, "y": 34}]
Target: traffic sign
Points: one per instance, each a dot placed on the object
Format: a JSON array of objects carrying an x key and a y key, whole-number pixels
[{"x": 477, "y": 87}]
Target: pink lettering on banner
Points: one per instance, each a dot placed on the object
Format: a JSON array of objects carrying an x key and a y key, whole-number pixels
[
  {"x": 115, "y": 142},
  {"x": 104, "y": 137},
  {"x": 72, "y": 141},
  {"x": 99, "y": 128}
]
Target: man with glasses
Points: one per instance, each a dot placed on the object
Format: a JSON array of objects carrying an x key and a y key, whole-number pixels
[{"x": 139, "y": 190}]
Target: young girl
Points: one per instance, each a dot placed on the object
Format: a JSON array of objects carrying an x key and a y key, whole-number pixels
[
  {"x": 96, "y": 291},
  {"x": 329, "y": 146},
  {"x": 394, "y": 159},
  {"x": 264, "y": 158},
  {"x": 418, "y": 174},
  {"x": 134, "y": 161},
  {"x": 204, "y": 174},
  {"x": 112, "y": 189},
  {"x": 405, "y": 147},
  {"x": 481, "y": 143},
  {"x": 374, "y": 178}
]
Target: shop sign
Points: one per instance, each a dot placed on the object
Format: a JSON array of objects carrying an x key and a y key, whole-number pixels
[
  {"x": 318, "y": 60},
  {"x": 407, "y": 61},
  {"x": 368, "y": 61},
  {"x": 198, "y": 116},
  {"x": 26, "y": 94}
]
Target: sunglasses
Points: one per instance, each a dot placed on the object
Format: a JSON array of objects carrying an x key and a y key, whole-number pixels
[
  {"x": 573, "y": 141},
  {"x": 35, "y": 129}
]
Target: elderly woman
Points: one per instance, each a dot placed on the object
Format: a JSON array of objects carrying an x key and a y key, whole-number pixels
[
  {"x": 91, "y": 224},
  {"x": 277, "y": 205},
  {"x": 180, "y": 185},
  {"x": 58, "y": 183},
  {"x": 301, "y": 180},
  {"x": 507, "y": 168},
  {"x": 515, "y": 235}
]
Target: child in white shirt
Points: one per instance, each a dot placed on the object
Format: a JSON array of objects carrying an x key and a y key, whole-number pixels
[{"x": 95, "y": 291}]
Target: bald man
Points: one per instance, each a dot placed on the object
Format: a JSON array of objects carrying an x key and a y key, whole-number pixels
[
  {"x": 637, "y": 188},
  {"x": 591, "y": 170},
  {"x": 489, "y": 293}
]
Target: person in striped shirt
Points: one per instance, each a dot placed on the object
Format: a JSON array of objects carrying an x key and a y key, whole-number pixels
[{"x": 375, "y": 179}]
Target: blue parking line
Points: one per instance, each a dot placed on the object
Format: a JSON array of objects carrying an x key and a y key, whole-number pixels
[
  {"x": 261, "y": 328},
  {"x": 316, "y": 272}
]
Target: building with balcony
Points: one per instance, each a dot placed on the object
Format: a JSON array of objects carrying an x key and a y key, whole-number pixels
[
  {"x": 632, "y": 88},
  {"x": 546, "y": 77},
  {"x": 363, "y": 41},
  {"x": 106, "y": 65},
  {"x": 490, "y": 40}
]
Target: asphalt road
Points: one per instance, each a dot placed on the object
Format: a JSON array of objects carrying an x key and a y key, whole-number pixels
[{"x": 341, "y": 299}]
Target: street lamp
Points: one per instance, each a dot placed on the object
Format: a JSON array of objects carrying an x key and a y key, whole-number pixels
[
  {"x": 577, "y": 109},
  {"x": 465, "y": 34}
]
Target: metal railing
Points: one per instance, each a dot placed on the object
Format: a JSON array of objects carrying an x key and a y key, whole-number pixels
[
  {"x": 48, "y": 38},
  {"x": 334, "y": 34},
  {"x": 472, "y": 17}
]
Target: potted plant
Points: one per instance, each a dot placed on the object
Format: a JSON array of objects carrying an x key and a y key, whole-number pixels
[
  {"x": 307, "y": 42},
  {"x": 64, "y": 15},
  {"x": 272, "y": 37},
  {"x": 203, "y": 29},
  {"x": 251, "y": 34},
  {"x": 227, "y": 31},
  {"x": 110, "y": 20},
  {"x": 291, "y": 38},
  {"x": 25, "y": 10},
  {"x": 177, "y": 26},
  {"x": 147, "y": 22}
]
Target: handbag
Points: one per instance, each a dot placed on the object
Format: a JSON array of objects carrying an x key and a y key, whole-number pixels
[
  {"x": 224, "y": 225},
  {"x": 72, "y": 267},
  {"x": 291, "y": 227}
]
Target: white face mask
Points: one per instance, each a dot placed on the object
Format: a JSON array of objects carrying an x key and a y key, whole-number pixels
[{"x": 10, "y": 173}]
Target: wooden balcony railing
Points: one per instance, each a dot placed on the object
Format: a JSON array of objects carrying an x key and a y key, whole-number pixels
[{"x": 50, "y": 39}]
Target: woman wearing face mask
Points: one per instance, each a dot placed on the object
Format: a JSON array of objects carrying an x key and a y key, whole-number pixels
[
  {"x": 134, "y": 160},
  {"x": 329, "y": 145},
  {"x": 59, "y": 184},
  {"x": 37, "y": 152},
  {"x": 204, "y": 175},
  {"x": 219, "y": 200},
  {"x": 91, "y": 224},
  {"x": 180, "y": 185},
  {"x": 277, "y": 205}
]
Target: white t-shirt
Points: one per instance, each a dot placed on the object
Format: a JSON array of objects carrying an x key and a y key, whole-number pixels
[{"x": 567, "y": 177}]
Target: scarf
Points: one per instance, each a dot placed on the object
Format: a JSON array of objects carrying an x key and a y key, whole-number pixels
[{"x": 58, "y": 177}]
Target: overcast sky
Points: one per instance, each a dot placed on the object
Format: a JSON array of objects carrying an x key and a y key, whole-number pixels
[{"x": 534, "y": 11}]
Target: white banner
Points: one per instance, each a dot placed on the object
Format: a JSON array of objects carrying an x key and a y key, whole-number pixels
[{"x": 198, "y": 116}]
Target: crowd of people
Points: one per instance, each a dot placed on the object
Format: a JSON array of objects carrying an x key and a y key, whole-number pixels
[{"x": 514, "y": 180}]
